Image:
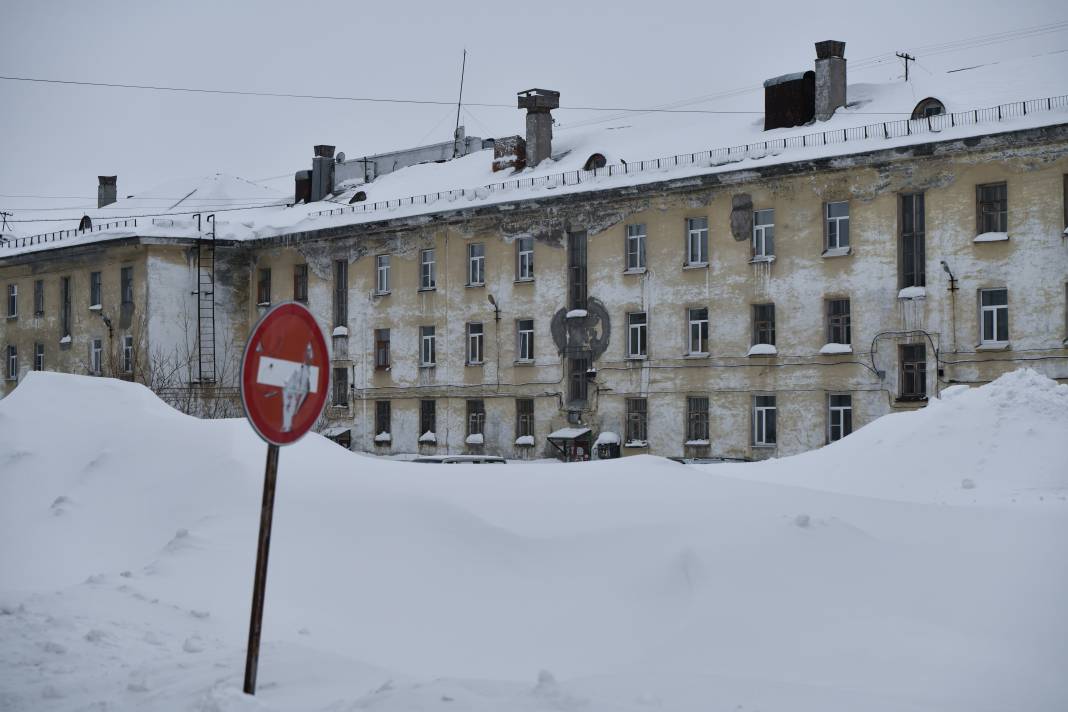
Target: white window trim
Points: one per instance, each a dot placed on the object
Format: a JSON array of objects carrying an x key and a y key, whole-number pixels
[
  {"x": 520, "y": 334},
  {"x": 478, "y": 338},
  {"x": 702, "y": 244},
  {"x": 427, "y": 340},
  {"x": 12, "y": 301},
  {"x": 428, "y": 278},
  {"x": 760, "y": 422},
  {"x": 691, "y": 322},
  {"x": 525, "y": 262},
  {"x": 96, "y": 357},
  {"x": 837, "y": 249},
  {"x": 476, "y": 266},
  {"x": 643, "y": 330},
  {"x": 636, "y": 235},
  {"x": 127, "y": 354},
  {"x": 760, "y": 244},
  {"x": 840, "y": 410},
  {"x": 993, "y": 343},
  {"x": 383, "y": 269}
]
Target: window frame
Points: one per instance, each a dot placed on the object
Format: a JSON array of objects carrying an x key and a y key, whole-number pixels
[
  {"x": 38, "y": 356},
  {"x": 263, "y": 287},
  {"x": 96, "y": 357},
  {"x": 96, "y": 289},
  {"x": 476, "y": 417},
  {"x": 524, "y": 346},
  {"x": 126, "y": 289},
  {"x": 635, "y": 241},
  {"x": 383, "y": 419},
  {"x": 341, "y": 293},
  {"x": 65, "y": 306},
  {"x": 524, "y": 259},
  {"x": 476, "y": 264},
  {"x": 912, "y": 243},
  {"x": 127, "y": 353},
  {"x": 763, "y": 244},
  {"x": 12, "y": 300},
  {"x": 339, "y": 397},
  {"x": 769, "y": 329},
  {"x": 637, "y": 335},
  {"x": 999, "y": 317},
  {"x": 38, "y": 298},
  {"x": 837, "y": 221},
  {"x": 698, "y": 410},
  {"x": 476, "y": 343},
  {"x": 382, "y": 349},
  {"x": 844, "y": 415},
  {"x": 12, "y": 362},
  {"x": 912, "y": 369},
  {"x": 428, "y": 269},
  {"x": 427, "y": 346},
  {"x": 300, "y": 283},
  {"x": 764, "y": 405},
  {"x": 383, "y": 274},
  {"x": 578, "y": 387},
  {"x": 637, "y": 420},
  {"x": 428, "y": 417},
  {"x": 693, "y": 230},
  {"x": 999, "y": 214},
  {"x": 577, "y": 266},
  {"x": 702, "y": 332},
  {"x": 524, "y": 417},
  {"x": 839, "y": 323}
]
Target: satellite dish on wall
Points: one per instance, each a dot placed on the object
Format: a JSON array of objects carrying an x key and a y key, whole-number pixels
[{"x": 340, "y": 156}]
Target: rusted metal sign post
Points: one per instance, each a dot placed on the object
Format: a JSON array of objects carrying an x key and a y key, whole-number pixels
[{"x": 284, "y": 379}]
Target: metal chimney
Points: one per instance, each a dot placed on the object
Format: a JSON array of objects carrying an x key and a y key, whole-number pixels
[
  {"x": 830, "y": 78},
  {"x": 538, "y": 103},
  {"x": 322, "y": 178},
  {"x": 106, "y": 191}
]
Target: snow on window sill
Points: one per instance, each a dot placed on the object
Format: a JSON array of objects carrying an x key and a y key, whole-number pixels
[
  {"x": 475, "y": 439},
  {"x": 762, "y": 258},
  {"x": 606, "y": 438},
  {"x": 383, "y": 438},
  {"x": 636, "y": 444},
  {"x": 428, "y": 438},
  {"x": 383, "y": 293},
  {"x": 524, "y": 362},
  {"x": 475, "y": 363},
  {"x": 427, "y": 289},
  {"x": 636, "y": 357},
  {"x": 762, "y": 350},
  {"x": 523, "y": 280},
  {"x": 427, "y": 365},
  {"x": 698, "y": 443},
  {"x": 635, "y": 270},
  {"x": 836, "y": 349},
  {"x": 576, "y": 314},
  {"x": 95, "y": 307},
  {"x": 697, "y": 354},
  {"x": 764, "y": 446},
  {"x": 524, "y": 441},
  {"x": 65, "y": 339},
  {"x": 992, "y": 237},
  {"x": 912, "y": 293},
  {"x": 340, "y": 331},
  {"x": 993, "y": 346},
  {"x": 837, "y": 252},
  {"x": 263, "y": 304},
  {"x": 695, "y": 265}
]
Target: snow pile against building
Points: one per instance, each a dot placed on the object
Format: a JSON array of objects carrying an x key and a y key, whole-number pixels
[{"x": 819, "y": 582}]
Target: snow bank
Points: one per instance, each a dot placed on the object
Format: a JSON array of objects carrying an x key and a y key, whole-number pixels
[
  {"x": 865, "y": 575},
  {"x": 762, "y": 350}
]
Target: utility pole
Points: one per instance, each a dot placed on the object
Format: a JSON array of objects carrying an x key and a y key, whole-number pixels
[
  {"x": 459, "y": 102},
  {"x": 908, "y": 58}
]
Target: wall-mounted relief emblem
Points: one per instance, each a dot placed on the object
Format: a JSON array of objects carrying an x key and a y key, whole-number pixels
[{"x": 582, "y": 335}]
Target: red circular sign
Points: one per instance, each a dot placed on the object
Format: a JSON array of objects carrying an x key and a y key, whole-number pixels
[{"x": 284, "y": 374}]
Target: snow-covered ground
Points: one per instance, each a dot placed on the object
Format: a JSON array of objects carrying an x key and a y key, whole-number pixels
[{"x": 917, "y": 565}]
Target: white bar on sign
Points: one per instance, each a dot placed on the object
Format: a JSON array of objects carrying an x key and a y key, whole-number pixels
[{"x": 276, "y": 371}]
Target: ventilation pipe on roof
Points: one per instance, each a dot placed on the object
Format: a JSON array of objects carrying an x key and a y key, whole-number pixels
[
  {"x": 830, "y": 78},
  {"x": 322, "y": 178},
  {"x": 538, "y": 103},
  {"x": 107, "y": 190}
]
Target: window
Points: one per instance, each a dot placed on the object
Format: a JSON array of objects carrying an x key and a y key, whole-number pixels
[
  {"x": 697, "y": 241},
  {"x": 637, "y": 420},
  {"x": 382, "y": 419},
  {"x": 96, "y": 357},
  {"x": 476, "y": 264},
  {"x": 763, "y": 234},
  {"x": 94, "y": 289},
  {"x": 524, "y": 347},
  {"x": 427, "y": 270},
  {"x": 382, "y": 274},
  {"x": 341, "y": 386},
  {"x": 427, "y": 350},
  {"x": 928, "y": 107},
  {"x": 341, "y": 293},
  {"x": 913, "y": 252},
  {"x": 38, "y": 297},
  {"x": 263, "y": 287},
  {"x": 476, "y": 416},
  {"x": 428, "y": 416},
  {"x": 636, "y": 330},
  {"x": 12, "y": 300},
  {"x": 577, "y": 385},
  {"x": 524, "y": 258},
  {"x": 12, "y": 362},
  {"x": 764, "y": 420},
  {"x": 838, "y": 331},
  {"x": 524, "y": 417},
  {"x": 64, "y": 309},
  {"x": 635, "y": 247},
  {"x": 913, "y": 372},
  {"x": 300, "y": 283},
  {"x": 994, "y": 316},
  {"x": 381, "y": 349},
  {"x": 764, "y": 324},
  {"x": 697, "y": 420},
  {"x": 992, "y": 208},
  {"x": 837, "y": 225},
  {"x": 698, "y": 336},
  {"x": 576, "y": 270},
  {"x": 126, "y": 284},
  {"x": 38, "y": 357},
  {"x": 127, "y": 354},
  {"x": 475, "y": 343},
  {"x": 839, "y": 416}
]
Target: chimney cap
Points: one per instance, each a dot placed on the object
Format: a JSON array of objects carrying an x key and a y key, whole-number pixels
[
  {"x": 828, "y": 49},
  {"x": 539, "y": 99},
  {"x": 107, "y": 180},
  {"x": 324, "y": 151}
]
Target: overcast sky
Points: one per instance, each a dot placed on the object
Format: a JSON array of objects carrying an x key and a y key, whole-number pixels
[{"x": 56, "y": 139}]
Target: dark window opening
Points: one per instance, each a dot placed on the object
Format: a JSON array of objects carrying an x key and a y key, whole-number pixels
[
  {"x": 38, "y": 297},
  {"x": 341, "y": 386},
  {"x": 764, "y": 324},
  {"x": 913, "y": 372},
  {"x": 838, "y": 329},
  {"x": 992, "y": 208},
  {"x": 578, "y": 387},
  {"x": 263, "y": 287},
  {"x": 341, "y": 293},
  {"x": 697, "y": 420},
  {"x": 913, "y": 250},
  {"x": 524, "y": 417},
  {"x": 300, "y": 283},
  {"x": 126, "y": 284},
  {"x": 428, "y": 416},
  {"x": 381, "y": 349},
  {"x": 94, "y": 288},
  {"x": 765, "y": 431},
  {"x": 839, "y": 416},
  {"x": 64, "y": 308},
  {"x": 476, "y": 416},
  {"x": 637, "y": 420},
  {"x": 382, "y": 419},
  {"x": 576, "y": 270}
]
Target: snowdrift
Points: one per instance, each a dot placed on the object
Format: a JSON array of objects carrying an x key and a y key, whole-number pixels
[{"x": 915, "y": 565}]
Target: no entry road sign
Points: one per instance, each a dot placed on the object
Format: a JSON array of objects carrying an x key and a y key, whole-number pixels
[
  {"x": 284, "y": 377},
  {"x": 284, "y": 374}
]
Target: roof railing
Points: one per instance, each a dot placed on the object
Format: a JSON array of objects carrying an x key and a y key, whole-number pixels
[{"x": 64, "y": 234}]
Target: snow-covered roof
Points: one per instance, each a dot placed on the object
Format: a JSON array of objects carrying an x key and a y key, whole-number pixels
[
  {"x": 568, "y": 433},
  {"x": 640, "y": 148}
]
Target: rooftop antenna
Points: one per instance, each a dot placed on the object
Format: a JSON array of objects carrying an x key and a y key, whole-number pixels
[
  {"x": 459, "y": 102},
  {"x": 908, "y": 58}
]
